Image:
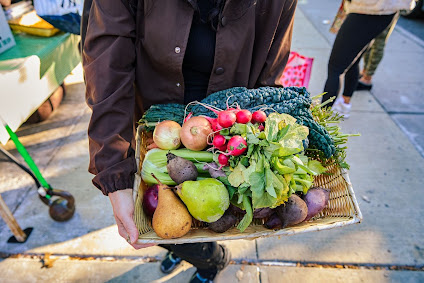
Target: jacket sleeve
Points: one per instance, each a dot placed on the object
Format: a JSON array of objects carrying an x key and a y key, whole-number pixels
[
  {"x": 280, "y": 48},
  {"x": 108, "y": 60}
]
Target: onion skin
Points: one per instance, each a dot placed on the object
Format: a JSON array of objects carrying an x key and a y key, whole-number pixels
[
  {"x": 194, "y": 133},
  {"x": 167, "y": 135}
]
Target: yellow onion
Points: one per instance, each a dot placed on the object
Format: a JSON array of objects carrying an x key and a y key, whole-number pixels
[
  {"x": 195, "y": 133},
  {"x": 167, "y": 135}
]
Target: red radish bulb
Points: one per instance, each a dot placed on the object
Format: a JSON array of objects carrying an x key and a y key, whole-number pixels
[
  {"x": 226, "y": 118},
  {"x": 233, "y": 110},
  {"x": 214, "y": 123},
  {"x": 222, "y": 147},
  {"x": 236, "y": 146},
  {"x": 258, "y": 117},
  {"x": 219, "y": 141},
  {"x": 261, "y": 127},
  {"x": 150, "y": 200},
  {"x": 223, "y": 159},
  {"x": 243, "y": 116}
]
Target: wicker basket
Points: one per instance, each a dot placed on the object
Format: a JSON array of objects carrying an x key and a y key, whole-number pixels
[{"x": 341, "y": 210}]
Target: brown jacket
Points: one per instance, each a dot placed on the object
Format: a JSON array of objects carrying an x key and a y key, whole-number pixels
[{"x": 145, "y": 45}]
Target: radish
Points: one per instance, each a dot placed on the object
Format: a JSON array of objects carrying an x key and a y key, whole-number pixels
[
  {"x": 226, "y": 118},
  {"x": 243, "y": 116},
  {"x": 214, "y": 124},
  {"x": 261, "y": 128},
  {"x": 223, "y": 159},
  {"x": 188, "y": 117},
  {"x": 258, "y": 117},
  {"x": 236, "y": 146},
  {"x": 222, "y": 147},
  {"x": 219, "y": 141}
]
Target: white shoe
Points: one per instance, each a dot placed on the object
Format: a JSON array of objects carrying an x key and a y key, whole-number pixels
[{"x": 341, "y": 107}]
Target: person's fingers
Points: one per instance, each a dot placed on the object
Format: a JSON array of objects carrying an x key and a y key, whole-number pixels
[
  {"x": 130, "y": 228},
  {"x": 121, "y": 229},
  {"x": 151, "y": 146},
  {"x": 141, "y": 246}
]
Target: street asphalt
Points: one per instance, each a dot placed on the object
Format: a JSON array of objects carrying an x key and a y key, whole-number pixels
[{"x": 386, "y": 173}]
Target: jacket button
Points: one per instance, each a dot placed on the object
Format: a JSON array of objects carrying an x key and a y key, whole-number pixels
[
  {"x": 178, "y": 84},
  {"x": 177, "y": 50},
  {"x": 219, "y": 71},
  {"x": 223, "y": 21}
]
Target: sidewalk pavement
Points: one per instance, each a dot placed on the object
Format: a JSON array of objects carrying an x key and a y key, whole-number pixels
[{"x": 385, "y": 172}]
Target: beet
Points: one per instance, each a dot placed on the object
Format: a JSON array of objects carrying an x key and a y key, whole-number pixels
[
  {"x": 180, "y": 169},
  {"x": 316, "y": 199},
  {"x": 292, "y": 212},
  {"x": 273, "y": 222},
  {"x": 259, "y": 213},
  {"x": 236, "y": 210},
  {"x": 224, "y": 223}
]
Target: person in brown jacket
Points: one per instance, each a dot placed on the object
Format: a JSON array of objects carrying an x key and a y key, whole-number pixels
[{"x": 140, "y": 53}]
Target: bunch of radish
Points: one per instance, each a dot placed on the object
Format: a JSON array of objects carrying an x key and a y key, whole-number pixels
[{"x": 236, "y": 145}]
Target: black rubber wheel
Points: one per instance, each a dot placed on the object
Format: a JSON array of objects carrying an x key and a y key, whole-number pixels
[{"x": 414, "y": 13}]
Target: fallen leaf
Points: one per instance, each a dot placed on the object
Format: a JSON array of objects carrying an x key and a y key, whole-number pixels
[{"x": 47, "y": 261}]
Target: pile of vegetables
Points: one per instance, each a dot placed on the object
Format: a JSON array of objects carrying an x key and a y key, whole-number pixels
[
  {"x": 265, "y": 159},
  {"x": 295, "y": 101}
]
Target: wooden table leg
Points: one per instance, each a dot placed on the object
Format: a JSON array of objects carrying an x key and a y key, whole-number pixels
[{"x": 11, "y": 222}]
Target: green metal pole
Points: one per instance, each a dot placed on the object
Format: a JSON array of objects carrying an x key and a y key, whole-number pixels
[{"x": 24, "y": 153}]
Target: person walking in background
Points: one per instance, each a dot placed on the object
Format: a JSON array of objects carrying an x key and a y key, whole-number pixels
[
  {"x": 373, "y": 56},
  {"x": 363, "y": 23}
]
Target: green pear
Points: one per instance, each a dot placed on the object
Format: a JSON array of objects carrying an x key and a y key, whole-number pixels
[{"x": 206, "y": 200}]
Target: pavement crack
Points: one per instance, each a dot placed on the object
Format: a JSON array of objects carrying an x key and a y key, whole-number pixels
[{"x": 258, "y": 263}]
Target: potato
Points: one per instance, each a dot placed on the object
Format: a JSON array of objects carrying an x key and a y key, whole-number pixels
[
  {"x": 316, "y": 199},
  {"x": 292, "y": 212}
]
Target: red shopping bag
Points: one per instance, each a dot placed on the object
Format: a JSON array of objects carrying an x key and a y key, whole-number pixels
[{"x": 297, "y": 71}]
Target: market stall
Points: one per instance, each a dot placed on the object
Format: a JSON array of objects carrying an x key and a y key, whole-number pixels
[{"x": 30, "y": 72}]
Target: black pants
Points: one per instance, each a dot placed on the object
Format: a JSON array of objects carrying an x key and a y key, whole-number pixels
[
  {"x": 353, "y": 38},
  {"x": 208, "y": 258}
]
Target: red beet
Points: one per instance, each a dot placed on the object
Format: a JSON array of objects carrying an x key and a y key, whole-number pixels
[
  {"x": 262, "y": 212},
  {"x": 150, "y": 200},
  {"x": 273, "y": 222},
  {"x": 316, "y": 199},
  {"x": 292, "y": 212}
]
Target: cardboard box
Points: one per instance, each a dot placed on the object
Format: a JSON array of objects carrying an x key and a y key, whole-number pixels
[{"x": 6, "y": 38}]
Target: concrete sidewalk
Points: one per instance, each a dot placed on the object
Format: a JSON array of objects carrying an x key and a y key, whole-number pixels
[{"x": 385, "y": 171}]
